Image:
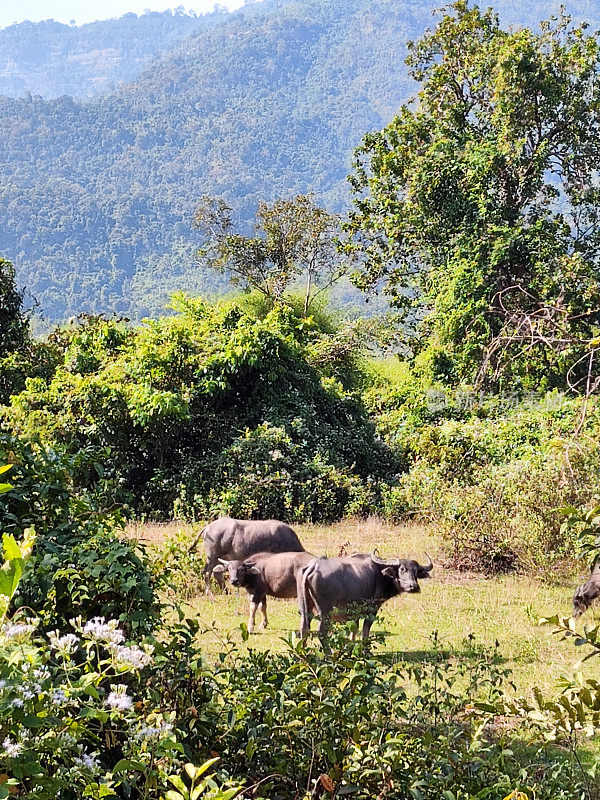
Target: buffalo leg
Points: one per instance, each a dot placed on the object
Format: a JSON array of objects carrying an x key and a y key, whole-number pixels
[
  {"x": 366, "y": 630},
  {"x": 305, "y": 620},
  {"x": 218, "y": 576},
  {"x": 255, "y": 601},
  {"x": 263, "y": 608},
  {"x": 324, "y": 622},
  {"x": 207, "y": 573},
  {"x": 252, "y": 617}
]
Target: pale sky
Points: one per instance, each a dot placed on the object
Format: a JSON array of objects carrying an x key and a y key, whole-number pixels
[{"x": 89, "y": 10}]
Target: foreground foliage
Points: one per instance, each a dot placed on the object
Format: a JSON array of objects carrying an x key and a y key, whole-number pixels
[
  {"x": 79, "y": 565},
  {"x": 93, "y": 716}
]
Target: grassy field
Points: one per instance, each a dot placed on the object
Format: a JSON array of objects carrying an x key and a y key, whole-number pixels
[{"x": 455, "y": 605}]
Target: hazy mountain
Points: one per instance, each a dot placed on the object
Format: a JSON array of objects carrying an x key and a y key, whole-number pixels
[
  {"x": 96, "y": 196},
  {"x": 52, "y": 59}
]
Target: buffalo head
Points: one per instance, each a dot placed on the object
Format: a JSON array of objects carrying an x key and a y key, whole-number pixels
[
  {"x": 239, "y": 571},
  {"x": 405, "y": 572},
  {"x": 583, "y": 599}
]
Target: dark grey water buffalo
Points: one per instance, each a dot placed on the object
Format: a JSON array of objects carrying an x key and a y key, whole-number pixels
[
  {"x": 586, "y": 593},
  {"x": 273, "y": 574},
  {"x": 363, "y": 581},
  {"x": 238, "y": 539}
]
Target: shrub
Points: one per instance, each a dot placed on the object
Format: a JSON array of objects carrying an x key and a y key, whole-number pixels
[
  {"x": 344, "y": 723},
  {"x": 267, "y": 473},
  {"x": 76, "y": 720},
  {"x": 79, "y": 565},
  {"x": 194, "y": 406},
  {"x": 510, "y": 517},
  {"x": 77, "y": 715},
  {"x": 493, "y": 483}
]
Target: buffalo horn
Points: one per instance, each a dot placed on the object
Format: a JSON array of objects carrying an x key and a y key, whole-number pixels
[
  {"x": 427, "y": 567},
  {"x": 392, "y": 562}
]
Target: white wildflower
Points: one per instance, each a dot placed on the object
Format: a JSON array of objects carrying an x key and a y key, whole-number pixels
[
  {"x": 26, "y": 692},
  {"x": 118, "y": 698},
  {"x": 101, "y": 631},
  {"x": 58, "y": 697},
  {"x": 17, "y": 630},
  {"x": 11, "y": 749},
  {"x": 64, "y": 644},
  {"x": 3, "y": 684},
  {"x": 150, "y": 732},
  {"x": 17, "y": 703},
  {"x": 87, "y": 760},
  {"x": 133, "y": 657}
]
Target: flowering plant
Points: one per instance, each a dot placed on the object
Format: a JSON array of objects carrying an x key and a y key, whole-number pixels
[
  {"x": 69, "y": 723},
  {"x": 77, "y": 718}
]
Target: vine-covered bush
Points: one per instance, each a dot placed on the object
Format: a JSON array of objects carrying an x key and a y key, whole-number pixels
[
  {"x": 490, "y": 471},
  {"x": 218, "y": 409}
]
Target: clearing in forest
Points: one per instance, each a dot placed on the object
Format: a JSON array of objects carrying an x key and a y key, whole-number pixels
[{"x": 455, "y": 613}]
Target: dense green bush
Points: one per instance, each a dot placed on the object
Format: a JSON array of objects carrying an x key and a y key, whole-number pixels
[
  {"x": 216, "y": 410},
  {"x": 344, "y": 723},
  {"x": 491, "y": 471},
  {"x": 79, "y": 565}
]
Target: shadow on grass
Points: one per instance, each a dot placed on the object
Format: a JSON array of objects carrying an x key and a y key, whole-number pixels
[{"x": 438, "y": 655}]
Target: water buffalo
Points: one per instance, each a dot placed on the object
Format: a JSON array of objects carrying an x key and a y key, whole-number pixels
[
  {"x": 363, "y": 581},
  {"x": 586, "y": 593},
  {"x": 273, "y": 574},
  {"x": 230, "y": 538}
]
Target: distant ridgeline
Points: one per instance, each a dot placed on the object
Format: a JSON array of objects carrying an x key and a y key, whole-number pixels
[{"x": 97, "y": 189}]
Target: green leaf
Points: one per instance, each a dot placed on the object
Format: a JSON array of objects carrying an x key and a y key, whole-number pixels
[
  {"x": 179, "y": 784},
  {"x": 10, "y": 547},
  {"x": 126, "y": 764}
]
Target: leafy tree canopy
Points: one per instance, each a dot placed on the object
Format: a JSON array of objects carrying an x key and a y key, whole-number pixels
[
  {"x": 15, "y": 342},
  {"x": 14, "y": 325},
  {"x": 477, "y": 206},
  {"x": 294, "y": 238}
]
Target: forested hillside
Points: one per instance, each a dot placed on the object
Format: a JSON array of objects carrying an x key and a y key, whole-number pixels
[
  {"x": 52, "y": 59},
  {"x": 96, "y": 196}
]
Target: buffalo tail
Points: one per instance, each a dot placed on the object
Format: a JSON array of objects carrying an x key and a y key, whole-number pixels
[{"x": 197, "y": 539}]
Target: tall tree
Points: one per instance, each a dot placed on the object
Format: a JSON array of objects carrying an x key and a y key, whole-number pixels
[
  {"x": 295, "y": 240},
  {"x": 476, "y": 208},
  {"x": 14, "y": 328},
  {"x": 14, "y": 325}
]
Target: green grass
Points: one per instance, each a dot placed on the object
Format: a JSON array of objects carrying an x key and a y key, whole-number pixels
[{"x": 456, "y": 606}]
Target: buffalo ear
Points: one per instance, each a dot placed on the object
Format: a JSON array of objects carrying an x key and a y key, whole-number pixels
[
  {"x": 254, "y": 569},
  {"x": 220, "y": 568},
  {"x": 423, "y": 573},
  {"x": 389, "y": 571}
]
